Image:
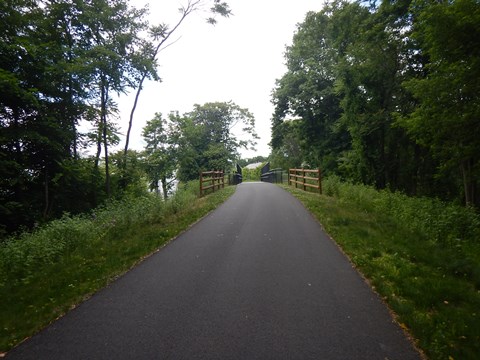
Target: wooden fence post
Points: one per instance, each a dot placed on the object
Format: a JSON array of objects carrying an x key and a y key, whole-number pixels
[
  {"x": 320, "y": 180},
  {"x": 304, "y": 180},
  {"x": 215, "y": 178}
]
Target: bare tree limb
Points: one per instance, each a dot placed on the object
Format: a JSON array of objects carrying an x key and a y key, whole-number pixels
[{"x": 185, "y": 11}]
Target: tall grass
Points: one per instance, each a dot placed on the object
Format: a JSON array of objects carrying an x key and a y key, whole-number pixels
[
  {"x": 44, "y": 273},
  {"x": 422, "y": 256},
  {"x": 441, "y": 222},
  {"x": 25, "y": 255},
  {"x": 445, "y": 227}
]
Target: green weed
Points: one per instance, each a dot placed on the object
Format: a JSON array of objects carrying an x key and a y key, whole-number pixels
[
  {"x": 421, "y": 255},
  {"x": 45, "y": 273}
]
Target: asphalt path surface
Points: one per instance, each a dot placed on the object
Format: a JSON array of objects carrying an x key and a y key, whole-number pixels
[{"x": 256, "y": 279}]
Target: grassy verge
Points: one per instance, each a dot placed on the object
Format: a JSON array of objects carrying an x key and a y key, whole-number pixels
[
  {"x": 44, "y": 274},
  {"x": 421, "y": 255}
]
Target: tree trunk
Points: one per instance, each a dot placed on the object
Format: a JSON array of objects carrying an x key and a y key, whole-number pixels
[
  {"x": 130, "y": 123},
  {"x": 382, "y": 176},
  {"x": 47, "y": 196},
  {"x": 99, "y": 142},
  {"x": 191, "y": 6},
  {"x": 104, "y": 100},
  {"x": 164, "y": 188},
  {"x": 96, "y": 172},
  {"x": 70, "y": 59},
  {"x": 107, "y": 170},
  {"x": 469, "y": 183},
  {"x": 19, "y": 184}
]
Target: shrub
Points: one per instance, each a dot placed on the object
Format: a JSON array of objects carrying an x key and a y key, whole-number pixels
[
  {"x": 438, "y": 221},
  {"x": 24, "y": 255}
]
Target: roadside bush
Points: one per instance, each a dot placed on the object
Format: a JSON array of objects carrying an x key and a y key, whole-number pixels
[
  {"x": 450, "y": 229},
  {"x": 331, "y": 186},
  {"x": 436, "y": 220},
  {"x": 48, "y": 271},
  {"x": 421, "y": 255},
  {"x": 23, "y": 256}
]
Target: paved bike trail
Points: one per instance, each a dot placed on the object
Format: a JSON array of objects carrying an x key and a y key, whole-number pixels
[{"x": 256, "y": 279}]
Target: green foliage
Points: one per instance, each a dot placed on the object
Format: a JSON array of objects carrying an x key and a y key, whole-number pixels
[
  {"x": 440, "y": 222},
  {"x": 160, "y": 153},
  {"x": 251, "y": 174},
  {"x": 384, "y": 95},
  {"x": 131, "y": 182},
  {"x": 289, "y": 154},
  {"x": 447, "y": 118},
  {"x": 48, "y": 271},
  {"x": 421, "y": 255},
  {"x": 22, "y": 257},
  {"x": 257, "y": 159},
  {"x": 60, "y": 63},
  {"x": 206, "y": 137},
  {"x": 218, "y": 8},
  {"x": 369, "y": 83},
  {"x": 307, "y": 92},
  {"x": 146, "y": 59}
]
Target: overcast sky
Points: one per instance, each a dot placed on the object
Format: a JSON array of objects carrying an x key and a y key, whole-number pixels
[{"x": 236, "y": 60}]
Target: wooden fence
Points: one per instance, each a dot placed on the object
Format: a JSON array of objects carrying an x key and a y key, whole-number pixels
[
  {"x": 306, "y": 178},
  {"x": 215, "y": 179}
]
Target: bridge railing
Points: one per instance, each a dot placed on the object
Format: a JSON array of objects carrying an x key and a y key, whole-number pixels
[
  {"x": 272, "y": 176},
  {"x": 306, "y": 178},
  {"x": 234, "y": 178},
  {"x": 211, "y": 180}
]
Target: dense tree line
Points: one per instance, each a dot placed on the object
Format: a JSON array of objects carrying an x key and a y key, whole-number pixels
[
  {"x": 61, "y": 62},
  {"x": 385, "y": 93}
]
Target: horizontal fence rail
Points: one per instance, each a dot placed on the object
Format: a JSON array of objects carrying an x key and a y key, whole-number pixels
[
  {"x": 234, "y": 179},
  {"x": 272, "y": 176},
  {"x": 306, "y": 178},
  {"x": 214, "y": 180}
]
